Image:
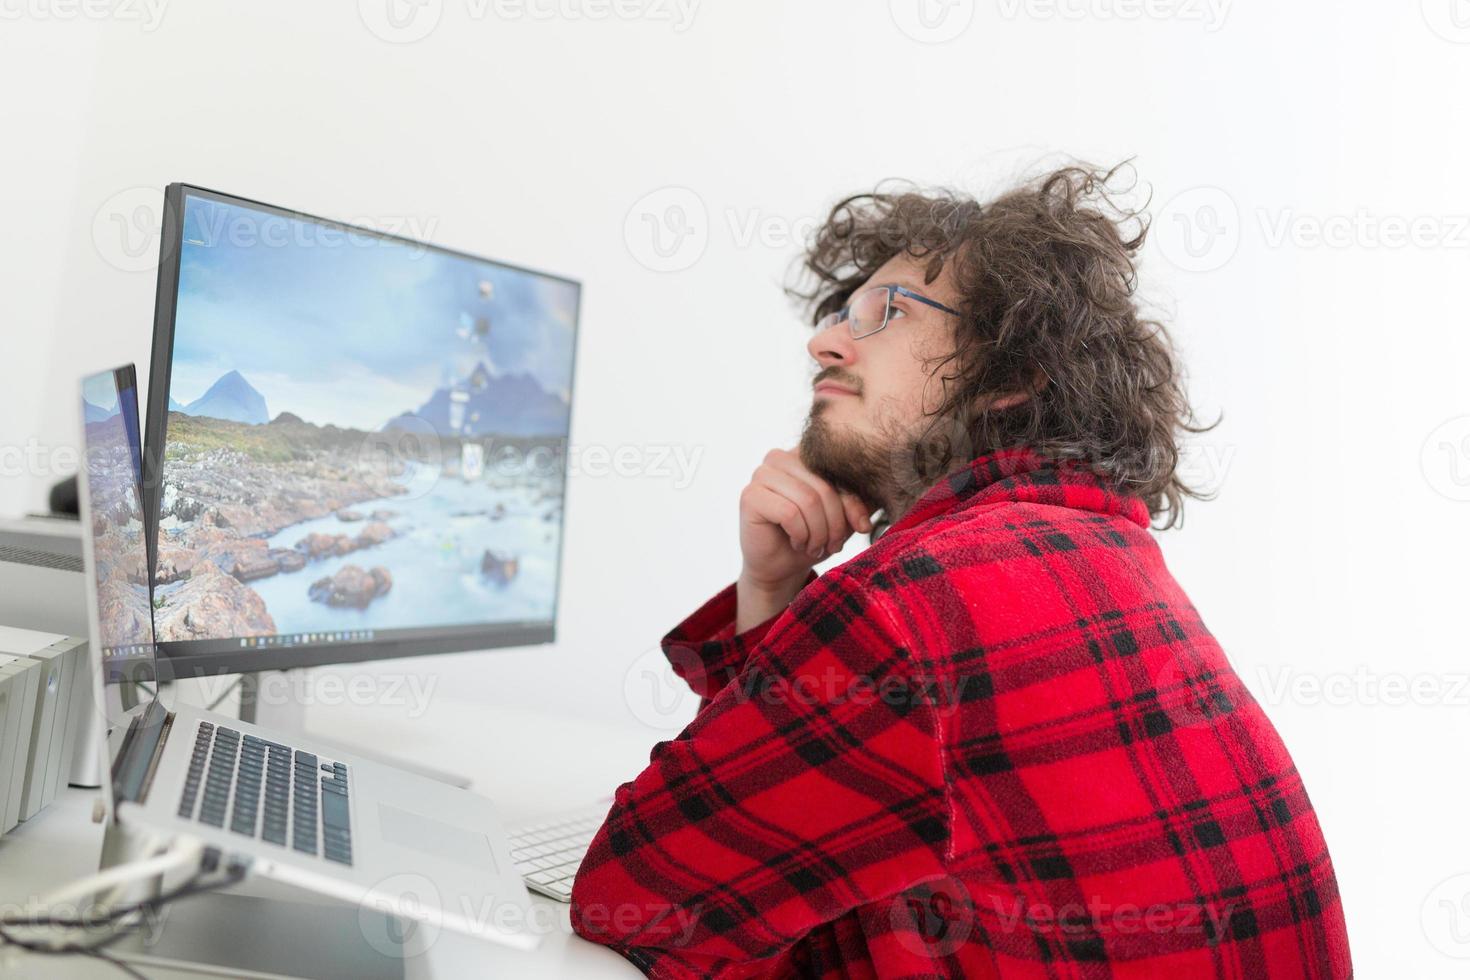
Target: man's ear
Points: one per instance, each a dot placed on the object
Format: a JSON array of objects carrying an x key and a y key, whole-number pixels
[{"x": 1039, "y": 380}]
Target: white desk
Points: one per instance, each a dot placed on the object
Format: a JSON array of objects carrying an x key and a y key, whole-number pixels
[{"x": 527, "y": 762}]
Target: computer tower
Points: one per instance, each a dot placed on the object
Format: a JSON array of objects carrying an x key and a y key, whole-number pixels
[
  {"x": 53, "y": 725},
  {"x": 7, "y": 740},
  {"x": 49, "y": 703},
  {"x": 52, "y": 745},
  {"x": 21, "y": 678},
  {"x": 42, "y": 588}
]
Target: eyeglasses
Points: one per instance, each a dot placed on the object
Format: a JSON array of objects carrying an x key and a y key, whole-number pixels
[{"x": 870, "y": 310}]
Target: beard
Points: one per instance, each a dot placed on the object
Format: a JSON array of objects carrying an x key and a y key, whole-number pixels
[
  {"x": 891, "y": 469},
  {"x": 853, "y": 463}
]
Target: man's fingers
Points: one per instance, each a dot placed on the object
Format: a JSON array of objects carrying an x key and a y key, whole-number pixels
[
  {"x": 807, "y": 498},
  {"x": 775, "y": 508},
  {"x": 838, "y": 526},
  {"x": 857, "y": 513}
]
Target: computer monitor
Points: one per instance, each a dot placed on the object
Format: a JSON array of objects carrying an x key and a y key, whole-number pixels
[
  {"x": 117, "y": 551},
  {"x": 356, "y": 444}
]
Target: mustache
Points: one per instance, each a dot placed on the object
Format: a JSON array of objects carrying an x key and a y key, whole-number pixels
[{"x": 840, "y": 376}]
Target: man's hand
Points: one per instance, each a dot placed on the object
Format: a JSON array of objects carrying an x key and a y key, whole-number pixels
[{"x": 790, "y": 519}]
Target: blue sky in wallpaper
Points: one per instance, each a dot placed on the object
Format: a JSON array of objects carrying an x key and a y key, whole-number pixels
[{"x": 353, "y": 331}]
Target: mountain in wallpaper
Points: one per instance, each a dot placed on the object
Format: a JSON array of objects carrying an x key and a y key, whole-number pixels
[
  {"x": 231, "y": 398},
  {"x": 507, "y": 404},
  {"x": 93, "y": 413}
]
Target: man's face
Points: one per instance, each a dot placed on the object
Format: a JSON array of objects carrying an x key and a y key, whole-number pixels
[{"x": 871, "y": 396}]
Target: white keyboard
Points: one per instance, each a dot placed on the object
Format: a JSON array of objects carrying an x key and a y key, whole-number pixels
[{"x": 547, "y": 851}]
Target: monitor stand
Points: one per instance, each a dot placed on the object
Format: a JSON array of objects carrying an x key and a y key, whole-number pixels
[{"x": 289, "y": 718}]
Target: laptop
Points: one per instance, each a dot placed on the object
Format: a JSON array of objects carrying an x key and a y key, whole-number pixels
[{"x": 292, "y": 810}]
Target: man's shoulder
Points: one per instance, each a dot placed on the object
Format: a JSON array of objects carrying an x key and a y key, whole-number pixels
[{"x": 984, "y": 536}]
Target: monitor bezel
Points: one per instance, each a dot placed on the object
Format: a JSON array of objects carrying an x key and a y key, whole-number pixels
[{"x": 459, "y": 638}]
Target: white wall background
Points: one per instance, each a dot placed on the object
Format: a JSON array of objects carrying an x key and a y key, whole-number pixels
[{"x": 532, "y": 130}]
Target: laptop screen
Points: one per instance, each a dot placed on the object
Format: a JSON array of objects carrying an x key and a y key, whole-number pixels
[{"x": 112, "y": 459}]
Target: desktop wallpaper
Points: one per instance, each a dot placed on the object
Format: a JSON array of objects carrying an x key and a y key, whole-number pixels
[
  {"x": 120, "y": 553},
  {"x": 362, "y": 434}
]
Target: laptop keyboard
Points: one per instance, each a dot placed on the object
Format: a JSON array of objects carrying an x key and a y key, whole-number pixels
[
  {"x": 547, "y": 852},
  {"x": 263, "y": 789}
]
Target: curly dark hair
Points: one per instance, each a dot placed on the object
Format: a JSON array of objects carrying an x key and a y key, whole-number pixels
[{"x": 1048, "y": 275}]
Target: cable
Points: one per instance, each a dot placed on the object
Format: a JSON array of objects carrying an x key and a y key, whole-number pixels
[
  {"x": 113, "y": 916},
  {"x": 121, "y": 874}
]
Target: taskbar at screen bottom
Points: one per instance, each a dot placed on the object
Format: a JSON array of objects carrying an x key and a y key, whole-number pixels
[{"x": 186, "y": 658}]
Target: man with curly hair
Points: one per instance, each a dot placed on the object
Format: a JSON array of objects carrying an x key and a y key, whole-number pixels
[{"x": 999, "y": 742}]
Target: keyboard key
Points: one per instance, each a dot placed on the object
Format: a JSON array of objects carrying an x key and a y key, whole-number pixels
[{"x": 264, "y": 788}]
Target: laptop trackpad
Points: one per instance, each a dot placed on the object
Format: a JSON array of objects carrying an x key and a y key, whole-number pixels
[{"x": 443, "y": 840}]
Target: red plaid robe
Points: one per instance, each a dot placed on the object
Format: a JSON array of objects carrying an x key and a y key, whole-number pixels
[{"x": 1000, "y": 742}]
